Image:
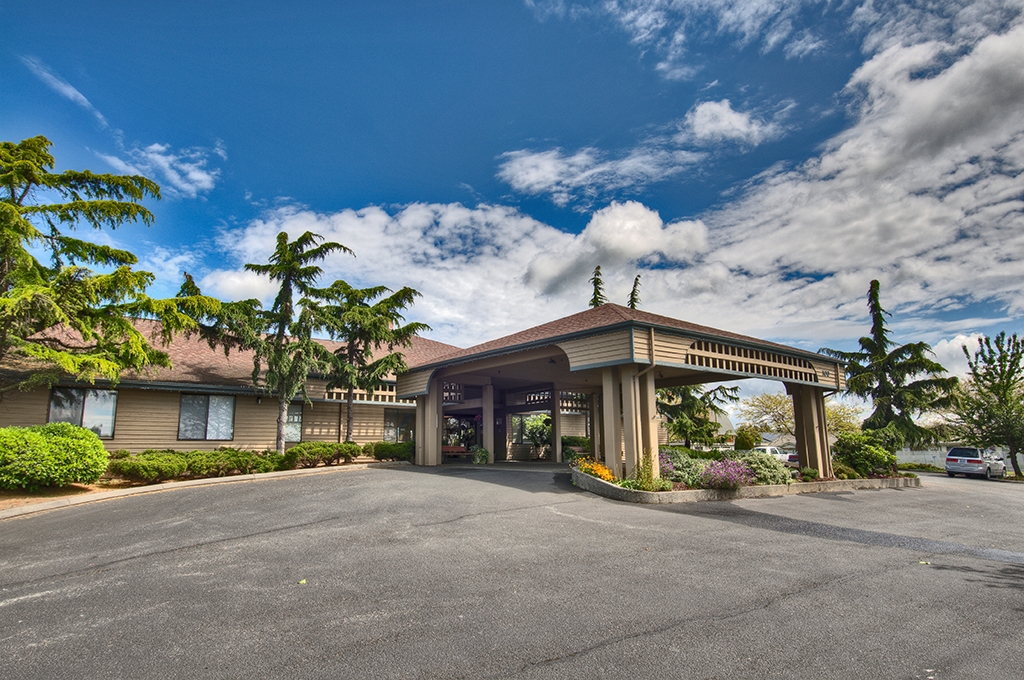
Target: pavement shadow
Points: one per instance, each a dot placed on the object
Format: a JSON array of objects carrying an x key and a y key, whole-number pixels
[
  {"x": 1010, "y": 577},
  {"x": 536, "y": 478},
  {"x": 727, "y": 512}
]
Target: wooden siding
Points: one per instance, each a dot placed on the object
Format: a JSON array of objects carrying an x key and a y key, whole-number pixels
[
  {"x": 599, "y": 350},
  {"x": 718, "y": 356},
  {"x": 671, "y": 349},
  {"x": 25, "y": 408},
  {"x": 831, "y": 376},
  {"x": 574, "y": 425},
  {"x": 413, "y": 384},
  {"x": 320, "y": 422}
]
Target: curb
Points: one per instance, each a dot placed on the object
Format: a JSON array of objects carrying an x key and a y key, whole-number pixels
[
  {"x": 168, "y": 486},
  {"x": 617, "y": 493}
]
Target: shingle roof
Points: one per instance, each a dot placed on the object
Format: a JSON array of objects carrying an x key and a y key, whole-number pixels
[
  {"x": 194, "y": 362},
  {"x": 594, "y": 319}
]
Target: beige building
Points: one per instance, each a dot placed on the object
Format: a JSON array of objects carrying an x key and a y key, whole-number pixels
[{"x": 592, "y": 374}]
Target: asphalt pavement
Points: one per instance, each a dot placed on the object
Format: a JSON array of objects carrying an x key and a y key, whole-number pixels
[{"x": 476, "y": 572}]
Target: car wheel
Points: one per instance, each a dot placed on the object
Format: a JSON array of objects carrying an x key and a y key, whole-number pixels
[
  {"x": 951, "y": 474},
  {"x": 988, "y": 473}
]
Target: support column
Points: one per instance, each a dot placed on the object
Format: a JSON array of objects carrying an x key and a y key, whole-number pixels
[
  {"x": 432, "y": 425},
  {"x": 648, "y": 422},
  {"x": 595, "y": 426},
  {"x": 420, "y": 436},
  {"x": 488, "y": 421},
  {"x": 556, "y": 423},
  {"x": 611, "y": 433},
  {"x": 811, "y": 430},
  {"x": 630, "y": 416}
]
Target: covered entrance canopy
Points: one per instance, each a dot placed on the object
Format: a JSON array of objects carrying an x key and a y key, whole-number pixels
[{"x": 612, "y": 358}]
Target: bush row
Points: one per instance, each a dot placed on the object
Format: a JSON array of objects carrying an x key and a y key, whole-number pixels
[
  {"x": 56, "y": 454},
  {"x": 159, "y": 465}
]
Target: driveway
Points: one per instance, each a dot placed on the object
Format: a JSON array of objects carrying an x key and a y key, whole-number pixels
[{"x": 467, "y": 572}]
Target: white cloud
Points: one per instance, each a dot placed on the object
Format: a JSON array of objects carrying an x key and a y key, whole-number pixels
[
  {"x": 714, "y": 122},
  {"x": 950, "y": 353},
  {"x": 586, "y": 174},
  {"x": 61, "y": 86},
  {"x": 181, "y": 172}
]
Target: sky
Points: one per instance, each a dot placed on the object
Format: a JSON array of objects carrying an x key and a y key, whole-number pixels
[{"x": 757, "y": 163}]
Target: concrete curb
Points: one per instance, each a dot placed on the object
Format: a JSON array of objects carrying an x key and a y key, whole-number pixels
[
  {"x": 168, "y": 486},
  {"x": 615, "y": 492}
]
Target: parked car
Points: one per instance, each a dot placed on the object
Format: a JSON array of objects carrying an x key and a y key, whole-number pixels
[
  {"x": 790, "y": 458},
  {"x": 974, "y": 462}
]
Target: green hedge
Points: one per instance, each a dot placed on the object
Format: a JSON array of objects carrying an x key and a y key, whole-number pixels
[
  {"x": 311, "y": 454},
  {"x": 767, "y": 468},
  {"x": 57, "y": 454},
  {"x": 393, "y": 451},
  {"x": 574, "y": 440},
  {"x": 159, "y": 465}
]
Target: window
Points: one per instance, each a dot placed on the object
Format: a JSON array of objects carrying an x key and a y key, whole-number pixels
[
  {"x": 399, "y": 424},
  {"x": 92, "y": 409},
  {"x": 205, "y": 416},
  {"x": 293, "y": 425}
]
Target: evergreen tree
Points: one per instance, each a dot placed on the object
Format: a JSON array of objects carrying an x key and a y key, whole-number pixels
[
  {"x": 634, "y": 295},
  {"x": 369, "y": 322},
  {"x": 691, "y": 411},
  {"x": 885, "y": 373},
  {"x": 598, "y": 298},
  {"x": 64, "y": 317}
]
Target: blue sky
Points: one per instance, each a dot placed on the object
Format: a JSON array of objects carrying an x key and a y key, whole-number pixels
[{"x": 758, "y": 163}]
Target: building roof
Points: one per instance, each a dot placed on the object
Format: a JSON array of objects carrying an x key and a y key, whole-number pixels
[
  {"x": 194, "y": 362},
  {"x": 595, "y": 320}
]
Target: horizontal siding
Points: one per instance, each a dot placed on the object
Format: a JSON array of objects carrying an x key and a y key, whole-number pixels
[
  {"x": 600, "y": 349},
  {"x": 831, "y": 376},
  {"x": 367, "y": 422},
  {"x": 671, "y": 349},
  {"x": 574, "y": 425},
  {"x": 412, "y": 384},
  {"x": 320, "y": 422},
  {"x": 22, "y": 409}
]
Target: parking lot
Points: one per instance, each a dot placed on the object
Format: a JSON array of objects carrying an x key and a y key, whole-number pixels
[{"x": 470, "y": 572}]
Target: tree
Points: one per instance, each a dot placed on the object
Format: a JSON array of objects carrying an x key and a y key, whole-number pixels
[
  {"x": 281, "y": 337},
  {"x": 367, "y": 321},
  {"x": 62, "y": 317},
  {"x": 989, "y": 408},
  {"x": 773, "y": 412},
  {"x": 885, "y": 373},
  {"x": 598, "y": 298},
  {"x": 691, "y": 411},
  {"x": 634, "y": 295},
  {"x": 747, "y": 437}
]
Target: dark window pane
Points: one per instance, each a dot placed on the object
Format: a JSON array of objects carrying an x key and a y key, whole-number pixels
[
  {"x": 192, "y": 416},
  {"x": 221, "y": 424},
  {"x": 66, "y": 405},
  {"x": 98, "y": 415}
]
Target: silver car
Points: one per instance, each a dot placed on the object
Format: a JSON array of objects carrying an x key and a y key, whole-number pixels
[
  {"x": 974, "y": 463},
  {"x": 789, "y": 458}
]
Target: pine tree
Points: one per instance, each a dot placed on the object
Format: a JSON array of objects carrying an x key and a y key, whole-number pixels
[
  {"x": 634, "y": 295},
  {"x": 598, "y": 298}
]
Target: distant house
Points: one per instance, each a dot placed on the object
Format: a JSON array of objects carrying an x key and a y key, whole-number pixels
[{"x": 207, "y": 400}]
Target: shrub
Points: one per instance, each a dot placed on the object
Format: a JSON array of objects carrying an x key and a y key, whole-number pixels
[
  {"x": 57, "y": 454},
  {"x": 227, "y": 461},
  {"x": 150, "y": 467},
  {"x": 809, "y": 474},
  {"x": 574, "y": 440},
  {"x": 747, "y": 437},
  {"x": 927, "y": 467},
  {"x": 311, "y": 454},
  {"x": 842, "y": 471},
  {"x": 369, "y": 447},
  {"x": 394, "y": 451},
  {"x": 480, "y": 455},
  {"x": 643, "y": 479},
  {"x": 726, "y": 474},
  {"x": 591, "y": 467},
  {"x": 865, "y": 452},
  {"x": 119, "y": 453},
  {"x": 685, "y": 469},
  {"x": 766, "y": 468},
  {"x": 693, "y": 453}
]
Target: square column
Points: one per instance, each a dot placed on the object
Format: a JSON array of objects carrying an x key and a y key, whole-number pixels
[
  {"x": 432, "y": 426},
  {"x": 611, "y": 432},
  {"x": 594, "y": 422},
  {"x": 630, "y": 416},
  {"x": 811, "y": 429},
  {"x": 420, "y": 434},
  {"x": 556, "y": 423},
  {"x": 648, "y": 422},
  {"x": 488, "y": 421}
]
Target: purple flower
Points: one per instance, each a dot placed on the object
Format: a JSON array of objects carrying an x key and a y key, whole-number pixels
[
  {"x": 667, "y": 468},
  {"x": 726, "y": 474}
]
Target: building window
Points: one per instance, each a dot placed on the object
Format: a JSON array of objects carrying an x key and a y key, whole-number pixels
[
  {"x": 92, "y": 409},
  {"x": 293, "y": 425},
  {"x": 206, "y": 416},
  {"x": 399, "y": 424}
]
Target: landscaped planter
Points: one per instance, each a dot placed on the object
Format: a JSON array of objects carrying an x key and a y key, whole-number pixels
[{"x": 615, "y": 492}]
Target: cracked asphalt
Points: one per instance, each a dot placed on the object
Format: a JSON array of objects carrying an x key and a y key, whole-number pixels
[{"x": 471, "y": 572}]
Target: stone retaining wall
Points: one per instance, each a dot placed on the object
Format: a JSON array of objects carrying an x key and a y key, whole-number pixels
[{"x": 608, "y": 490}]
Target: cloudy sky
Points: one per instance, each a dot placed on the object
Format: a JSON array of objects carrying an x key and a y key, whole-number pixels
[{"x": 757, "y": 162}]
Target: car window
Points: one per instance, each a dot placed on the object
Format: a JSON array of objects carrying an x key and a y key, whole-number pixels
[{"x": 961, "y": 452}]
